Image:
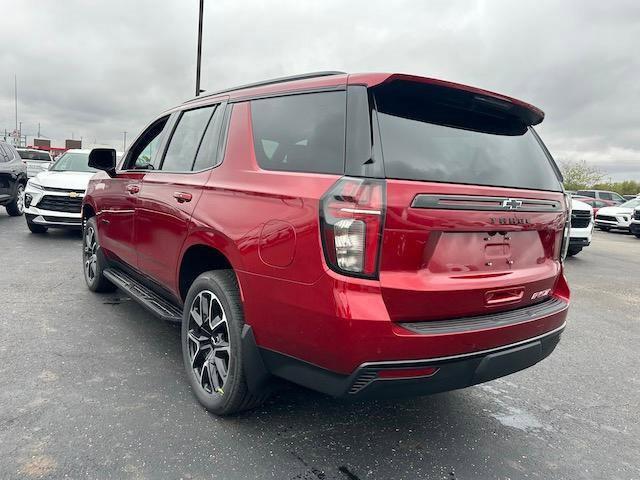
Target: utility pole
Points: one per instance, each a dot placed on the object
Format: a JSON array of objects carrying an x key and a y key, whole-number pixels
[
  {"x": 124, "y": 141},
  {"x": 38, "y": 129},
  {"x": 15, "y": 91},
  {"x": 199, "y": 56}
]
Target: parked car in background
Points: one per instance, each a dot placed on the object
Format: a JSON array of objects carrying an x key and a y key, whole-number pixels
[
  {"x": 595, "y": 204},
  {"x": 618, "y": 217},
  {"x": 631, "y": 197},
  {"x": 13, "y": 178},
  {"x": 602, "y": 195},
  {"x": 271, "y": 223},
  {"x": 634, "y": 226},
  {"x": 581, "y": 227},
  {"x": 36, "y": 160},
  {"x": 53, "y": 198}
]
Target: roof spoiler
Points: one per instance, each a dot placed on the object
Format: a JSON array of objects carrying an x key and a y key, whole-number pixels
[{"x": 477, "y": 98}]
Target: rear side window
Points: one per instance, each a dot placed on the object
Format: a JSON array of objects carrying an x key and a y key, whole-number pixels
[
  {"x": 300, "y": 133},
  {"x": 4, "y": 156},
  {"x": 435, "y": 134},
  {"x": 186, "y": 139}
]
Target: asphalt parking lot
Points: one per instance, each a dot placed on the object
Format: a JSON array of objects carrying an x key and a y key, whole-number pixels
[{"x": 91, "y": 386}]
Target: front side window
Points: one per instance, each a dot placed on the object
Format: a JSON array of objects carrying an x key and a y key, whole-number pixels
[
  {"x": 143, "y": 155},
  {"x": 186, "y": 139},
  {"x": 617, "y": 197},
  {"x": 300, "y": 133}
]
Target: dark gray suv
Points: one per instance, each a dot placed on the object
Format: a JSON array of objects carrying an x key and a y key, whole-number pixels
[{"x": 13, "y": 179}]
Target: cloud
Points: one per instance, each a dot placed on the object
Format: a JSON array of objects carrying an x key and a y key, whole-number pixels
[{"x": 102, "y": 67}]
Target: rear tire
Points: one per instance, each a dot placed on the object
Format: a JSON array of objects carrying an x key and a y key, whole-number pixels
[
  {"x": 212, "y": 351},
  {"x": 93, "y": 263},
  {"x": 16, "y": 207},
  {"x": 35, "y": 228},
  {"x": 573, "y": 251}
]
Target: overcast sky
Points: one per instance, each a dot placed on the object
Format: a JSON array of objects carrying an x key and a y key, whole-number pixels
[{"x": 98, "y": 68}]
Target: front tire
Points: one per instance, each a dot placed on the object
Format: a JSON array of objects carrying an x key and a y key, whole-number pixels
[
  {"x": 35, "y": 228},
  {"x": 571, "y": 251},
  {"x": 211, "y": 344},
  {"x": 93, "y": 263},
  {"x": 16, "y": 207}
]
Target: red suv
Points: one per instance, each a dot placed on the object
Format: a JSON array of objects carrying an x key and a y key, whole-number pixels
[{"x": 361, "y": 235}]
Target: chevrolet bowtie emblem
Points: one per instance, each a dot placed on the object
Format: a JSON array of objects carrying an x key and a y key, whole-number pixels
[
  {"x": 511, "y": 203},
  {"x": 73, "y": 194}
]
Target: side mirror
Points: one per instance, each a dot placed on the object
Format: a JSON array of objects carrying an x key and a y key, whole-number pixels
[{"x": 103, "y": 159}]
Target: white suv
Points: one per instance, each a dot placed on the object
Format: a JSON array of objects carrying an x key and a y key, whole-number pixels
[
  {"x": 53, "y": 198},
  {"x": 581, "y": 227}
]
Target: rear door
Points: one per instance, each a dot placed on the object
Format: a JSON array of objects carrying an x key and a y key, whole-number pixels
[
  {"x": 475, "y": 209},
  {"x": 169, "y": 195}
]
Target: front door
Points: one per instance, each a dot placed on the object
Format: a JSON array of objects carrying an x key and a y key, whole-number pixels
[
  {"x": 117, "y": 199},
  {"x": 169, "y": 195}
]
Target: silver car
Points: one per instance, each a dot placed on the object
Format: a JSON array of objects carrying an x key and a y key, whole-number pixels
[{"x": 37, "y": 160}]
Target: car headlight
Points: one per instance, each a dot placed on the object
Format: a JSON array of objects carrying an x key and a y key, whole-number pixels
[{"x": 35, "y": 185}]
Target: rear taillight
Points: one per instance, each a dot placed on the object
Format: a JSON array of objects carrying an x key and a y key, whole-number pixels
[
  {"x": 351, "y": 217},
  {"x": 566, "y": 232}
]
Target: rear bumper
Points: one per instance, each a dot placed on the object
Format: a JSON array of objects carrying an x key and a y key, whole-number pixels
[{"x": 450, "y": 373}]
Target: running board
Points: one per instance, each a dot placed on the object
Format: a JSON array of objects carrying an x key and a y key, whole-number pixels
[{"x": 144, "y": 296}]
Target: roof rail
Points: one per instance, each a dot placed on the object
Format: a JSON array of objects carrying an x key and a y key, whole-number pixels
[{"x": 273, "y": 81}]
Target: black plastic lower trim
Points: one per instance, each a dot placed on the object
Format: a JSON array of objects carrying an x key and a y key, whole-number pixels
[
  {"x": 579, "y": 242},
  {"x": 453, "y": 372}
]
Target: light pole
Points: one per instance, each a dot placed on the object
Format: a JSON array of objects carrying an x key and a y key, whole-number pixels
[
  {"x": 199, "y": 56},
  {"x": 124, "y": 141}
]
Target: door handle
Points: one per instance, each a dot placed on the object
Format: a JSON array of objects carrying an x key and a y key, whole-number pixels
[
  {"x": 182, "y": 196},
  {"x": 133, "y": 188}
]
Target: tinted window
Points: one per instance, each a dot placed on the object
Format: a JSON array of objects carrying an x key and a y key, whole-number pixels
[
  {"x": 34, "y": 155},
  {"x": 4, "y": 156},
  {"x": 432, "y": 135},
  {"x": 300, "y": 133},
  {"x": 605, "y": 196},
  {"x": 587, "y": 193},
  {"x": 186, "y": 140},
  {"x": 208, "y": 152}
]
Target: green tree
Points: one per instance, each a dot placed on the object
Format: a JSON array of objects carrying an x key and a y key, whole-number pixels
[{"x": 580, "y": 175}]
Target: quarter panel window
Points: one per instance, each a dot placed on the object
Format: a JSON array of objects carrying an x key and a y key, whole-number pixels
[
  {"x": 186, "y": 139},
  {"x": 300, "y": 133}
]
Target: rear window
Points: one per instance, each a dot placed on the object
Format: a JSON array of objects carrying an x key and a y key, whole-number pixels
[
  {"x": 437, "y": 134},
  {"x": 300, "y": 133},
  {"x": 31, "y": 155}
]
